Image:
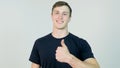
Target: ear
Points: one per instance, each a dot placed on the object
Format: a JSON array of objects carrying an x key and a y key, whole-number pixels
[
  {"x": 51, "y": 14},
  {"x": 69, "y": 19}
]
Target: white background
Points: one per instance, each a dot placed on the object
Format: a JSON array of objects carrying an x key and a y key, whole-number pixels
[{"x": 23, "y": 21}]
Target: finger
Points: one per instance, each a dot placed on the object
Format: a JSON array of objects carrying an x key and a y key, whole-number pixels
[
  {"x": 63, "y": 43},
  {"x": 58, "y": 48}
]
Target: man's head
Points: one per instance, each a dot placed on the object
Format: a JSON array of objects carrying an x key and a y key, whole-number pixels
[
  {"x": 62, "y": 3},
  {"x": 61, "y": 14}
]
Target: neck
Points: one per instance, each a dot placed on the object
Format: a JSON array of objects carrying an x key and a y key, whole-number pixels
[{"x": 60, "y": 33}]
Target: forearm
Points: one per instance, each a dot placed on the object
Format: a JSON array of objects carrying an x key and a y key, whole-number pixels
[
  {"x": 34, "y": 65},
  {"x": 76, "y": 63}
]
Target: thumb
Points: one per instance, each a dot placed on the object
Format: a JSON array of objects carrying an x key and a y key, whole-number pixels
[{"x": 63, "y": 43}]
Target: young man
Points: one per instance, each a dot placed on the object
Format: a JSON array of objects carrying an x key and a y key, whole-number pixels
[{"x": 62, "y": 49}]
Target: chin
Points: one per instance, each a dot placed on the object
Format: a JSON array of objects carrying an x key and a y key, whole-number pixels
[{"x": 60, "y": 28}]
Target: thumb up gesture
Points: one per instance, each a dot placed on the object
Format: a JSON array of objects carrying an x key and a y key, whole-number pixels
[{"x": 62, "y": 52}]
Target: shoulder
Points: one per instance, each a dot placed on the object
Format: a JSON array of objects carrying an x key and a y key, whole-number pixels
[
  {"x": 74, "y": 37},
  {"x": 44, "y": 38},
  {"x": 78, "y": 40}
]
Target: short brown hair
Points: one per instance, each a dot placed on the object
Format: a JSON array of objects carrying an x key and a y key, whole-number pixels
[{"x": 62, "y": 3}]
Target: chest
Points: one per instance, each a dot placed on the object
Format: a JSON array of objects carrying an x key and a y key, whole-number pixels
[{"x": 47, "y": 50}]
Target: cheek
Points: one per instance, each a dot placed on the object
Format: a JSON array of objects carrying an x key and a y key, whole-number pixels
[
  {"x": 54, "y": 15},
  {"x": 53, "y": 18},
  {"x": 66, "y": 18}
]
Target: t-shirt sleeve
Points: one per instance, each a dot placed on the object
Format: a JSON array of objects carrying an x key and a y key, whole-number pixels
[
  {"x": 86, "y": 51},
  {"x": 34, "y": 57}
]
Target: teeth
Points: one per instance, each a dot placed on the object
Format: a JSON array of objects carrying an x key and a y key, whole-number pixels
[{"x": 59, "y": 21}]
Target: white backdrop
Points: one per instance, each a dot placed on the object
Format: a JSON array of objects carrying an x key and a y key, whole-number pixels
[{"x": 23, "y": 21}]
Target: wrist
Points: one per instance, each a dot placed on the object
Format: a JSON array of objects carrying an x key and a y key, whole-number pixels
[
  {"x": 73, "y": 61},
  {"x": 70, "y": 59}
]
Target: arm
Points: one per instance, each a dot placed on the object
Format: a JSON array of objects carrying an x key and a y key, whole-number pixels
[
  {"x": 34, "y": 65},
  {"x": 63, "y": 55},
  {"x": 34, "y": 57},
  {"x": 88, "y": 63}
]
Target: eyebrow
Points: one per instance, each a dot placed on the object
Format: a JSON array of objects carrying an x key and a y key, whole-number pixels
[{"x": 63, "y": 11}]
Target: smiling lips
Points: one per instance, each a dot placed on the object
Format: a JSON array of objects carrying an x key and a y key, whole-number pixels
[{"x": 59, "y": 21}]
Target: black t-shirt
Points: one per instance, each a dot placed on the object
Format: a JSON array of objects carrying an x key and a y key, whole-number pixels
[{"x": 44, "y": 49}]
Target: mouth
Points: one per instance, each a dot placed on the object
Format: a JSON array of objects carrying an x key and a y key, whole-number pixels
[{"x": 59, "y": 21}]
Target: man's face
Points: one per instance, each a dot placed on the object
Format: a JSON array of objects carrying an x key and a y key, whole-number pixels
[{"x": 60, "y": 17}]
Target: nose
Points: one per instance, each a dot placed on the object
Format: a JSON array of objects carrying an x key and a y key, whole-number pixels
[{"x": 60, "y": 16}]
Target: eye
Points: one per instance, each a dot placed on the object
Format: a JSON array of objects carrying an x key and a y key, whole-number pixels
[
  {"x": 56, "y": 12},
  {"x": 64, "y": 14}
]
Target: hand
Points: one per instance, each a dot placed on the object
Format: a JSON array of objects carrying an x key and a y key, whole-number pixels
[{"x": 62, "y": 53}]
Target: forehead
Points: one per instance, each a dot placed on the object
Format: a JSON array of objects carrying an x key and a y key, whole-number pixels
[{"x": 61, "y": 9}]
